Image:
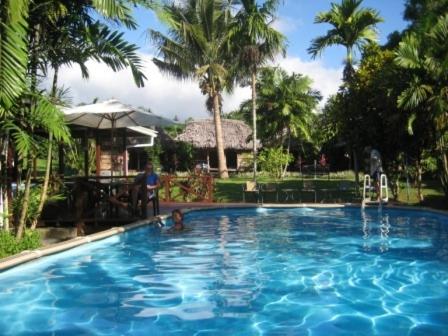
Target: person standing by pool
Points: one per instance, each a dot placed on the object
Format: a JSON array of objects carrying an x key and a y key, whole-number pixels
[
  {"x": 150, "y": 181},
  {"x": 376, "y": 169}
]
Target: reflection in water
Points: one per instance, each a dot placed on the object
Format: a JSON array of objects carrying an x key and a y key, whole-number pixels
[
  {"x": 365, "y": 230},
  {"x": 382, "y": 222},
  {"x": 242, "y": 272},
  {"x": 384, "y": 231}
]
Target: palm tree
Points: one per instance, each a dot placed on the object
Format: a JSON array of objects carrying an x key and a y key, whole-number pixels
[
  {"x": 13, "y": 66},
  {"x": 353, "y": 27},
  {"x": 24, "y": 30},
  {"x": 286, "y": 104},
  {"x": 69, "y": 34},
  {"x": 197, "y": 47},
  {"x": 256, "y": 42},
  {"x": 425, "y": 54}
]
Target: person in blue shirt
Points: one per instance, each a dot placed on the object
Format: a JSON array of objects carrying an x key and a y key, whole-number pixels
[{"x": 148, "y": 179}]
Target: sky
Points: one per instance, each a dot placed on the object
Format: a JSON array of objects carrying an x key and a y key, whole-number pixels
[{"x": 171, "y": 98}]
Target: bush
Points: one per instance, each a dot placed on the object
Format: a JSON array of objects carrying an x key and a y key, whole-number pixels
[
  {"x": 9, "y": 245},
  {"x": 274, "y": 160}
]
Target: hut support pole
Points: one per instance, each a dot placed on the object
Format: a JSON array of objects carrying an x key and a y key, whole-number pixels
[
  {"x": 125, "y": 154},
  {"x": 85, "y": 144},
  {"x": 98, "y": 155},
  {"x": 208, "y": 161}
]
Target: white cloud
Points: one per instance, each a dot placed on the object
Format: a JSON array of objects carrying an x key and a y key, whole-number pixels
[
  {"x": 164, "y": 95},
  {"x": 169, "y": 97},
  {"x": 326, "y": 80},
  {"x": 286, "y": 24}
]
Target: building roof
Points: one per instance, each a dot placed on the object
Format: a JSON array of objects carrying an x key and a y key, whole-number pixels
[{"x": 201, "y": 134}]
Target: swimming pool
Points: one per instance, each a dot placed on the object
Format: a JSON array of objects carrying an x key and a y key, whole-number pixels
[{"x": 302, "y": 271}]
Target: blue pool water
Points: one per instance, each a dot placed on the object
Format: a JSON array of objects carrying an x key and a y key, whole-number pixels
[{"x": 244, "y": 272}]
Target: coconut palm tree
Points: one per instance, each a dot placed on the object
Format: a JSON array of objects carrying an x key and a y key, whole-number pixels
[
  {"x": 256, "y": 42},
  {"x": 353, "y": 27},
  {"x": 22, "y": 109},
  {"x": 13, "y": 66},
  {"x": 425, "y": 54},
  {"x": 69, "y": 34},
  {"x": 197, "y": 47},
  {"x": 286, "y": 103}
]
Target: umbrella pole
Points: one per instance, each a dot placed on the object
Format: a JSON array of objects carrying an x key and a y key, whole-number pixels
[{"x": 112, "y": 149}]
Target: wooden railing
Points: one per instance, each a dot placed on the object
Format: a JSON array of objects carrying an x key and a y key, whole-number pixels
[{"x": 194, "y": 187}]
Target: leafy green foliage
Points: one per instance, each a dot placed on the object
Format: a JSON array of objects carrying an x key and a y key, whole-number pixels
[
  {"x": 285, "y": 105},
  {"x": 13, "y": 51},
  {"x": 273, "y": 160},
  {"x": 33, "y": 204},
  {"x": 353, "y": 27},
  {"x": 197, "y": 46},
  {"x": 9, "y": 245},
  {"x": 425, "y": 53}
]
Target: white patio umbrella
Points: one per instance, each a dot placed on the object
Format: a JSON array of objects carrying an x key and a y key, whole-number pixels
[{"x": 112, "y": 114}]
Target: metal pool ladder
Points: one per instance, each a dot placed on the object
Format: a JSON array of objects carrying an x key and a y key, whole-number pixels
[{"x": 368, "y": 189}]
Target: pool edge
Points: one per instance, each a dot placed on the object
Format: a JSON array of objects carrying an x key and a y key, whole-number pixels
[{"x": 27, "y": 256}]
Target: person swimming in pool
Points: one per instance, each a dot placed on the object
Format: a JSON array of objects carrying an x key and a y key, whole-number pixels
[{"x": 178, "y": 220}]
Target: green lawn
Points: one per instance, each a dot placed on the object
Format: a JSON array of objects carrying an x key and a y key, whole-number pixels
[{"x": 328, "y": 191}]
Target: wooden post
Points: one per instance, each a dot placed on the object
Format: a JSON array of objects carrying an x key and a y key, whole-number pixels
[
  {"x": 85, "y": 144},
  {"x": 144, "y": 194},
  {"x": 166, "y": 180},
  {"x": 210, "y": 188},
  {"x": 208, "y": 161},
  {"x": 125, "y": 154},
  {"x": 98, "y": 155}
]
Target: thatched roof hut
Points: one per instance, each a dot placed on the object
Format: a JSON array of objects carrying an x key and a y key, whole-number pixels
[{"x": 201, "y": 134}]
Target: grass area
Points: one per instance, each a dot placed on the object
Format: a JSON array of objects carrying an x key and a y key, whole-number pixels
[{"x": 328, "y": 191}]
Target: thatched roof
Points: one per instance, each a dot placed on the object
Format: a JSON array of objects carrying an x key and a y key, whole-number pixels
[{"x": 201, "y": 134}]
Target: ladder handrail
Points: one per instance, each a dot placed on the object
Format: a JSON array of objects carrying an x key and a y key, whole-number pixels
[
  {"x": 367, "y": 187},
  {"x": 383, "y": 185},
  {"x": 367, "y": 184}
]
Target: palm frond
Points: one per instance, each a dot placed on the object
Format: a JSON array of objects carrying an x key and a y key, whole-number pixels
[
  {"x": 13, "y": 51},
  {"x": 115, "y": 10}
]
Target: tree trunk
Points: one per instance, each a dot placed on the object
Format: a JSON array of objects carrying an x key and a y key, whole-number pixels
[
  {"x": 356, "y": 168},
  {"x": 254, "y": 122},
  {"x": 222, "y": 163},
  {"x": 288, "y": 148},
  {"x": 26, "y": 197},
  {"x": 4, "y": 224},
  {"x": 43, "y": 195},
  {"x": 443, "y": 172},
  {"x": 418, "y": 178}
]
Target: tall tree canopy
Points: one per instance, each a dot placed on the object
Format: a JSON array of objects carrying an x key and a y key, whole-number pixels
[
  {"x": 197, "y": 46},
  {"x": 353, "y": 28},
  {"x": 255, "y": 41}
]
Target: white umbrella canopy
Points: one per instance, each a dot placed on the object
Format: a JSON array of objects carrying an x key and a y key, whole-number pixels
[{"x": 112, "y": 114}]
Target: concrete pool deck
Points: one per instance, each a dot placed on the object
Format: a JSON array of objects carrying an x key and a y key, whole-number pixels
[{"x": 166, "y": 208}]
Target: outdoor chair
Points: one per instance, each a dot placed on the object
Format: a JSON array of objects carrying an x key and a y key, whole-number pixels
[
  {"x": 346, "y": 191},
  {"x": 268, "y": 188},
  {"x": 288, "y": 193},
  {"x": 251, "y": 187},
  {"x": 309, "y": 187}
]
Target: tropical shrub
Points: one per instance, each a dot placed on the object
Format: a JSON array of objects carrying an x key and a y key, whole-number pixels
[
  {"x": 273, "y": 161},
  {"x": 10, "y": 245}
]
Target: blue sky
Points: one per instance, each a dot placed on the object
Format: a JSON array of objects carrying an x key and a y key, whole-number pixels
[
  {"x": 168, "y": 97},
  {"x": 296, "y": 20}
]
